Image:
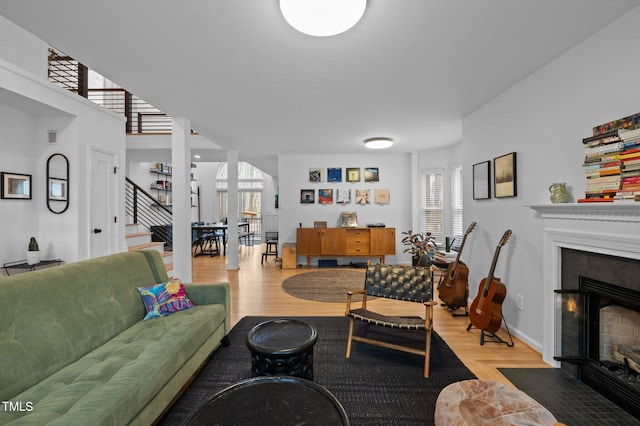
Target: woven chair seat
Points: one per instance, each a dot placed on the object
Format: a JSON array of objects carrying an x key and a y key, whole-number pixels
[
  {"x": 408, "y": 323},
  {"x": 412, "y": 284}
]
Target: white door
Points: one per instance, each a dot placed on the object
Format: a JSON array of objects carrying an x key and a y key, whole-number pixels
[{"x": 103, "y": 206}]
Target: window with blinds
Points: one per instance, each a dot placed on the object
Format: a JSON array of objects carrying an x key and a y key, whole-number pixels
[
  {"x": 456, "y": 201},
  {"x": 431, "y": 206}
]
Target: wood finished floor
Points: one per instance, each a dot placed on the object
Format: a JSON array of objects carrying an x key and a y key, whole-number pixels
[{"x": 256, "y": 290}]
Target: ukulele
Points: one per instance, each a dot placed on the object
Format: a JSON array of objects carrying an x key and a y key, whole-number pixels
[
  {"x": 453, "y": 288},
  {"x": 486, "y": 309}
]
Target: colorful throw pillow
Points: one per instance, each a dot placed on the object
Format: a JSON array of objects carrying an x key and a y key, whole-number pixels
[{"x": 164, "y": 299}]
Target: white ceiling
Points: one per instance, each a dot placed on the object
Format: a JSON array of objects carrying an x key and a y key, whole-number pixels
[{"x": 409, "y": 70}]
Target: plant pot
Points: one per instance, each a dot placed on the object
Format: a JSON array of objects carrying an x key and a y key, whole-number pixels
[{"x": 33, "y": 257}]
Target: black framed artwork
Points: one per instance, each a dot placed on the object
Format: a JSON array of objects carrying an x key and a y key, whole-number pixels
[
  {"x": 15, "y": 186},
  {"x": 482, "y": 180},
  {"x": 307, "y": 196},
  {"x": 505, "y": 176}
]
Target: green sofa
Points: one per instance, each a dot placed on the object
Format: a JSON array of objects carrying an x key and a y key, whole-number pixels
[{"x": 75, "y": 350}]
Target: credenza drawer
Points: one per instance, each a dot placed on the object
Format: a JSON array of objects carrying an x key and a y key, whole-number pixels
[{"x": 358, "y": 249}]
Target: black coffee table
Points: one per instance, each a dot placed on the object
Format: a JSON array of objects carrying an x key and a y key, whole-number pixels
[
  {"x": 276, "y": 400},
  {"x": 282, "y": 347}
]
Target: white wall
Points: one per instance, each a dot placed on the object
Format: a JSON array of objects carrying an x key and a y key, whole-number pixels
[
  {"x": 23, "y": 49},
  {"x": 395, "y": 175},
  {"x": 31, "y": 106},
  {"x": 543, "y": 119}
]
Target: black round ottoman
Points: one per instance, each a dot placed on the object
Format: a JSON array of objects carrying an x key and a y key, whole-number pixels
[
  {"x": 282, "y": 347},
  {"x": 270, "y": 401}
]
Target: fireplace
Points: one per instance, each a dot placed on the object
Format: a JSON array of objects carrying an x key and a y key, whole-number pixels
[
  {"x": 591, "y": 270},
  {"x": 599, "y": 324}
]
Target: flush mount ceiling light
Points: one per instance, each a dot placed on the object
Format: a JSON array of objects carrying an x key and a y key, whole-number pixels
[
  {"x": 378, "y": 143},
  {"x": 322, "y": 18}
]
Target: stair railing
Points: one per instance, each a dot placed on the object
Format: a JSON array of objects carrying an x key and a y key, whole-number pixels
[{"x": 145, "y": 209}]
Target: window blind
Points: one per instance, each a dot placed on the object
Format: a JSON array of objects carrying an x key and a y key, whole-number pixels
[
  {"x": 456, "y": 201},
  {"x": 431, "y": 206}
]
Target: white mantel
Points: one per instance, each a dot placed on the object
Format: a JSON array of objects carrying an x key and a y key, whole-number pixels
[{"x": 606, "y": 228}]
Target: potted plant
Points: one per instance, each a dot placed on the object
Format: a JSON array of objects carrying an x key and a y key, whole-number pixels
[
  {"x": 418, "y": 244},
  {"x": 33, "y": 255}
]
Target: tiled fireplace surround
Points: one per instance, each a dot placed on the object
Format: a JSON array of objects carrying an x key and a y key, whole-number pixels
[{"x": 579, "y": 240}]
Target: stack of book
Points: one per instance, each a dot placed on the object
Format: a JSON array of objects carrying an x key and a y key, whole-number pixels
[
  {"x": 630, "y": 167},
  {"x": 445, "y": 257},
  {"x": 602, "y": 165}
]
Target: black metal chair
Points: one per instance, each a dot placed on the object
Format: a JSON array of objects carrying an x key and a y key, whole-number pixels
[
  {"x": 271, "y": 240},
  {"x": 407, "y": 283}
]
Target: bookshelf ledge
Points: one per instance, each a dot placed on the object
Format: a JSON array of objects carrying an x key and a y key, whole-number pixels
[{"x": 615, "y": 212}]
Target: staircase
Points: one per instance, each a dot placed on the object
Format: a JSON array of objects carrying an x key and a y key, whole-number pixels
[
  {"x": 140, "y": 238},
  {"x": 149, "y": 223}
]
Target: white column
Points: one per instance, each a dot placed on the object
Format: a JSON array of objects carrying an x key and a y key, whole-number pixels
[
  {"x": 181, "y": 163},
  {"x": 232, "y": 210}
]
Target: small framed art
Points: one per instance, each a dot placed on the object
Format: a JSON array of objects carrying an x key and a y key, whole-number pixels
[
  {"x": 349, "y": 219},
  {"x": 325, "y": 196},
  {"x": 307, "y": 196},
  {"x": 16, "y": 186},
  {"x": 371, "y": 174},
  {"x": 343, "y": 196},
  {"x": 481, "y": 180},
  {"x": 382, "y": 196},
  {"x": 57, "y": 189},
  {"x": 504, "y": 176},
  {"x": 316, "y": 175},
  {"x": 363, "y": 196},
  {"x": 334, "y": 174},
  {"x": 353, "y": 174}
]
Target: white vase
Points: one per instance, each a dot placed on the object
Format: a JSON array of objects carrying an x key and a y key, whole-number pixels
[{"x": 33, "y": 257}]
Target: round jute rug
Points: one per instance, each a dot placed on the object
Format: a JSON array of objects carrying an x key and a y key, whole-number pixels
[{"x": 331, "y": 285}]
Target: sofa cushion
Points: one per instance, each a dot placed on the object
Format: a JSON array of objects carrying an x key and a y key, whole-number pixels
[
  {"x": 164, "y": 299},
  {"x": 111, "y": 384}
]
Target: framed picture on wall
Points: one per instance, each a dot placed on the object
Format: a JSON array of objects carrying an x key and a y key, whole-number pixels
[
  {"x": 343, "y": 196},
  {"x": 382, "y": 196},
  {"x": 325, "y": 196},
  {"x": 15, "y": 186},
  {"x": 316, "y": 175},
  {"x": 307, "y": 196},
  {"x": 363, "y": 196},
  {"x": 504, "y": 176},
  {"x": 57, "y": 189},
  {"x": 481, "y": 180},
  {"x": 371, "y": 174},
  {"x": 334, "y": 174},
  {"x": 353, "y": 174}
]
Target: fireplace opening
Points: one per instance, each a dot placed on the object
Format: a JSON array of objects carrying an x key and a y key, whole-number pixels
[{"x": 599, "y": 337}]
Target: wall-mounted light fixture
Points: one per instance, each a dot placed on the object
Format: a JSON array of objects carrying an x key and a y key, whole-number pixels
[
  {"x": 322, "y": 18},
  {"x": 378, "y": 143}
]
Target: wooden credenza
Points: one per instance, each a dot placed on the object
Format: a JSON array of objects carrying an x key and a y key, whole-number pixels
[{"x": 345, "y": 242}]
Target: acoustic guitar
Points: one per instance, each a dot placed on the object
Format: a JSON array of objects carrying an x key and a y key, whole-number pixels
[
  {"x": 453, "y": 288},
  {"x": 486, "y": 309}
]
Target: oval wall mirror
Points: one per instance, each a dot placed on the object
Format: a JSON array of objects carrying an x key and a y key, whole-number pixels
[{"x": 57, "y": 183}]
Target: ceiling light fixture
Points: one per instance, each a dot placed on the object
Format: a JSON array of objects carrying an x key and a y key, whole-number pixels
[
  {"x": 322, "y": 18},
  {"x": 378, "y": 143}
]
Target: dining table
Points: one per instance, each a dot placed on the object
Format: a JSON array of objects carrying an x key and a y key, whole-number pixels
[{"x": 216, "y": 234}]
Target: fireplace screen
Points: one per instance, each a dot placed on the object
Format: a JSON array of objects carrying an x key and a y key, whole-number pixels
[{"x": 571, "y": 325}]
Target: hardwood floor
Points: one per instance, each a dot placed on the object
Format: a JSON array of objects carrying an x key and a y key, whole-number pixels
[{"x": 256, "y": 290}]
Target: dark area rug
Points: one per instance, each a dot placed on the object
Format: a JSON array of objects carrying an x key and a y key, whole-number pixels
[
  {"x": 331, "y": 285},
  {"x": 570, "y": 401},
  {"x": 376, "y": 385}
]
